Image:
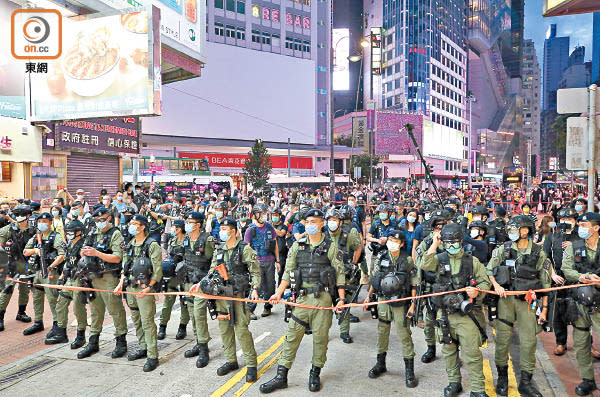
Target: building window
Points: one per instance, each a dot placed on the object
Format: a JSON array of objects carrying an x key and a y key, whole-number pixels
[
  {"x": 275, "y": 37},
  {"x": 230, "y": 5},
  {"x": 275, "y": 15},
  {"x": 230, "y": 31},
  {"x": 255, "y": 36},
  {"x": 289, "y": 43},
  {"x": 306, "y": 46},
  {"x": 241, "y": 7},
  {"x": 241, "y": 33},
  {"x": 297, "y": 45},
  {"x": 266, "y": 13},
  {"x": 256, "y": 11},
  {"x": 219, "y": 4},
  {"x": 266, "y": 38},
  {"x": 219, "y": 29}
]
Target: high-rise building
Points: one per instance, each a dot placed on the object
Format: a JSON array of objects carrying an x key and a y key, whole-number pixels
[
  {"x": 531, "y": 90},
  {"x": 556, "y": 60},
  {"x": 298, "y": 28},
  {"x": 596, "y": 48}
]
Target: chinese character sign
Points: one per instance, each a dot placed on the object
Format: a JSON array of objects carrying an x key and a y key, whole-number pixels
[
  {"x": 117, "y": 135},
  {"x": 392, "y": 138}
]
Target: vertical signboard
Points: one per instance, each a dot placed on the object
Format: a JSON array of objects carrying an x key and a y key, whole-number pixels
[
  {"x": 341, "y": 52},
  {"x": 12, "y": 71},
  {"x": 359, "y": 132}
]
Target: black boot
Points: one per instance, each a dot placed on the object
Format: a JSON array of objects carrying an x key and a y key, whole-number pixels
[
  {"x": 60, "y": 336},
  {"x": 227, "y": 368},
  {"x": 91, "y": 348},
  {"x": 193, "y": 352},
  {"x": 346, "y": 338},
  {"x": 38, "y": 326},
  {"x": 409, "y": 373},
  {"x": 120, "y": 347},
  {"x": 150, "y": 365},
  {"x": 353, "y": 318},
  {"x": 379, "y": 367},
  {"x": 586, "y": 387},
  {"x": 181, "y": 332},
  {"x": 251, "y": 374},
  {"x": 278, "y": 382},
  {"x": 202, "y": 360},
  {"x": 314, "y": 379},
  {"x": 502, "y": 383},
  {"x": 79, "y": 339},
  {"x": 453, "y": 389},
  {"x": 162, "y": 332},
  {"x": 526, "y": 388},
  {"x": 53, "y": 330},
  {"x": 2, "y": 319},
  {"x": 429, "y": 355},
  {"x": 136, "y": 355},
  {"x": 22, "y": 316}
]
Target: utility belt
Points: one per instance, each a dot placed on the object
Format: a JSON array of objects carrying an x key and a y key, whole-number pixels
[
  {"x": 214, "y": 284},
  {"x": 326, "y": 283},
  {"x": 96, "y": 268},
  {"x": 522, "y": 279}
]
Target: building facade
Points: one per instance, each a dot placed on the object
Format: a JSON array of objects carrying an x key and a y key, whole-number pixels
[
  {"x": 531, "y": 74},
  {"x": 556, "y": 60},
  {"x": 596, "y": 48}
]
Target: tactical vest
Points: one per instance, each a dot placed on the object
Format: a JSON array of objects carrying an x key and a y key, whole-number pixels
[
  {"x": 263, "y": 242},
  {"x": 499, "y": 231},
  {"x": 583, "y": 263},
  {"x": 72, "y": 256},
  {"x": 155, "y": 225},
  {"x": 519, "y": 273},
  {"x": 124, "y": 229},
  {"x": 239, "y": 274},
  {"x": 311, "y": 262},
  {"x": 17, "y": 239},
  {"x": 462, "y": 279},
  {"x": 282, "y": 243},
  {"x": 343, "y": 242},
  {"x": 385, "y": 267},
  {"x": 176, "y": 251},
  {"x": 131, "y": 256},
  {"x": 427, "y": 227},
  {"x": 430, "y": 277},
  {"x": 103, "y": 246},
  {"x": 196, "y": 262},
  {"x": 51, "y": 253}
]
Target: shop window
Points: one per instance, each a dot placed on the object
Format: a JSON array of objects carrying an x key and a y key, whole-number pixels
[
  {"x": 230, "y": 31},
  {"x": 230, "y": 5},
  {"x": 266, "y": 38},
  {"x": 49, "y": 176},
  {"x": 219, "y": 4},
  {"x": 5, "y": 176},
  {"x": 219, "y": 29},
  {"x": 241, "y": 7},
  {"x": 306, "y": 46},
  {"x": 255, "y": 36},
  {"x": 241, "y": 33}
]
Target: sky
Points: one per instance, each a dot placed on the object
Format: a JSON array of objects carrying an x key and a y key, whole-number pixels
[{"x": 578, "y": 27}]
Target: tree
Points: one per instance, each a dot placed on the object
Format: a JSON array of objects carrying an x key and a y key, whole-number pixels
[
  {"x": 363, "y": 161},
  {"x": 258, "y": 165}
]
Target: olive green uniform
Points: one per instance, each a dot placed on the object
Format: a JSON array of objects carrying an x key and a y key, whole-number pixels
[
  {"x": 50, "y": 293},
  {"x": 582, "y": 338},
  {"x": 462, "y": 328},
  {"x": 428, "y": 317},
  {"x": 21, "y": 268},
  {"x": 198, "y": 311},
  {"x": 242, "y": 314},
  {"x": 173, "y": 285},
  {"x": 107, "y": 300},
  {"x": 64, "y": 300},
  {"x": 318, "y": 320},
  {"x": 354, "y": 241},
  {"x": 388, "y": 314},
  {"x": 517, "y": 312},
  {"x": 143, "y": 309}
]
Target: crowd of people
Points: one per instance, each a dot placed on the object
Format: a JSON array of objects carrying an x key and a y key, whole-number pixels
[{"x": 318, "y": 250}]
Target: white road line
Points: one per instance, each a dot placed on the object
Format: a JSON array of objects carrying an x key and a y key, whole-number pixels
[{"x": 257, "y": 340}]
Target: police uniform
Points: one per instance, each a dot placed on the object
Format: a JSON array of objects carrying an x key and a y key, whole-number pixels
[
  {"x": 581, "y": 259},
  {"x": 531, "y": 270},
  {"x": 454, "y": 272}
]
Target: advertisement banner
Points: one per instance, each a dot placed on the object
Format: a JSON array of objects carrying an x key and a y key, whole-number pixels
[
  {"x": 440, "y": 140},
  {"x": 104, "y": 136},
  {"x": 391, "y": 136},
  {"x": 106, "y": 69},
  {"x": 12, "y": 71},
  {"x": 341, "y": 52},
  {"x": 227, "y": 160},
  {"x": 359, "y": 132}
]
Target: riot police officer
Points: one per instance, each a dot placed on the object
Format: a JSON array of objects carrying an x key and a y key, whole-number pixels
[
  {"x": 50, "y": 245},
  {"x": 102, "y": 262},
  {"x": 459, "y": 315},
  {"x": 315, "y": 264},
  {"x": 554, "y": 245},
  {"x": 518, "y": 265},
  {"x": 221, "y": 212},
  {"x": 394, "y": 277},
  {"x": 581, "y": 264},
  {"x": 70, "y": 277},
  {"x": 235, "y": 268},
  {"x": 198, "y": 252},
  {"x": 175, "y": 254},
  {"x": 349, "y": 243},
  {"x": 497, "y": 229},
  {"x": 13, "y": 239},
  {"x": 242, "y": 213},
  {"x": 142, "y": 270}
]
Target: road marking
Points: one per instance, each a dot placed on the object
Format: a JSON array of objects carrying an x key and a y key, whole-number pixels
[
  {"x": 241, "y": 373},
  {"x": 489, "y": 379},
  {"x": 512, "y": 380},
  {"x": 256, "y": 341},
  {"x": 264, "y": 369}
]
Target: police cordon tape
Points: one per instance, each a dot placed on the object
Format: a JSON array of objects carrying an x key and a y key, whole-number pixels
[{"x": 529, "y": 294}]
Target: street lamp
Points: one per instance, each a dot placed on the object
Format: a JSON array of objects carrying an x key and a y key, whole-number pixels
[{"x": 470, "y": 100}]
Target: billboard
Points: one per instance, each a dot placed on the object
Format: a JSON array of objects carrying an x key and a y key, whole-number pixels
[
  {"x": 341, "y": 52},
  {"x": 234, "y": 160},
  {"x": 552, "y": 8},
  {"x": 392, "y": 138},
  {"x": 12, "y": 72},
  {"x": 442, "y": 141},
  {"x": 107, "y": 68}
]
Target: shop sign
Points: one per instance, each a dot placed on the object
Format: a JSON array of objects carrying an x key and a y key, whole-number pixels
[{"x": 227, "y": 160}]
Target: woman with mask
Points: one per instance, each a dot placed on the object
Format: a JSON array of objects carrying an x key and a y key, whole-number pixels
[
  {"x": 412, "y": 231},
  {"x": 547, "y": 225},
  {"x": 58, "y": 222}
]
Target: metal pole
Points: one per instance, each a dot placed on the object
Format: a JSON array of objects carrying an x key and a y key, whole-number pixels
[
  {"x": 591, "y": 144},
  {"x": 331, "y": 112},
  {"x": 289, "y": 164},
  {"x": 469, "y": 98},
  {"x": 371, "y": 148},
  {"x": 528, "y": 186}
]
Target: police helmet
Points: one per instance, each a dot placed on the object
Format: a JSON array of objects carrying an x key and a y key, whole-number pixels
[
  {"x": 276, "y": 210},
  {"x": 479, "y": 210},
  {"x": 35, "y": 206},
  {"x": 302, "y": 212},
  {"x": 168, "y": 267},
  {"x": 590, "y": 217},
  {"x": 480, "y": 224},
  {"x": 314, "y": 212},
  {"x": 195, "y": 216},
  {"x": 141, "y": 219},
  {"x": 129, "y": 210},
  {"x": 383, "y": 208},
  {"x": 520, "y": 221},
  {"x": 346, "y": 212},
  {"x": 74, "y": 226},
  {"x": 21, "y": 210},
  {"x": 142, "y": 269},
  {"x": 587, "y": 296},
  {"x": 156, "y": 196},
  {"x": 90, "y": 265},
  {"x": 259, "y": 209},
  {"x": 567, "y": 212},
  {"x": 44, "y": 216},
  {"x": 221, "y": 205},
  {"x": 242, "y": 210},
  {"x": 333, "y": 213},
  {"x": 306, "y": 202},
  {"x": 452, "y": 232},
  {"x": 180, "y": 223},
  {"x": 101, "y": 211},
  {"x": 390, "y": 285},
  {"x": 397, "y": 234},
  {"x": 440, "y": 216},
  {"x": 450, "y": 201}
]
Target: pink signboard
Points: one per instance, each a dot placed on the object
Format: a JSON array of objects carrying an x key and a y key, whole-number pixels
[{"x": 392, "y": 138}]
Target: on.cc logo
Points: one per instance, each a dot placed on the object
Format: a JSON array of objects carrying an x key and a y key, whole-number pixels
[{"x": 36, "y": 30}]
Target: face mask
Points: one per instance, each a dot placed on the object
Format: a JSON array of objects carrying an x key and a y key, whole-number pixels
[
  {"x": 138, "y": 191},
  {"x": 552, "y": 224},
  {"x": 332, "y": 225},
  {"x": 55, "y": 213},
  {"x": 474, "y": 233},
  {"x": 453, "y": 248},
  {"x": 263, "y": 219},
  {"x": 128, "y": 201},
  {"x": 584, "y": 232},
  {"x": 351, "y": 203},
  {"x": 189, "y": 227},
  {"x": 119, "y": 198},
  {"x": 101, "y": 225},
  {"x": 200, "y": 210},
  {"x": 20, "y": 219},
  {"x": 275, "y": 219},
  {"x": 514, "y": 236},
  {"x": 427, "y": 217},
  {"x": 106, "y": 203},
  {"x": 70, "y": 236},
  {"x": 79, "y": 197},
  {"x": 173, "y": 233},
  {"x": 393, "y": 218},
  {"x": 219, "y": 214},
  {"x": 476, "y": 218},
  {"x": 43, "y": 227},
  {"x": 152, "y": 201},
  {"x": 224, "y": 235},
  {"x": 312, "y": 229},
  {"x": 411, "y": 219},
  {"x": 393, "y": 246},
  {"x": 579, "y": 208},
  {"x": 133, "y": 230},
  {"x": 77, "y": 212},
  {"x": 383, "y": 217}
]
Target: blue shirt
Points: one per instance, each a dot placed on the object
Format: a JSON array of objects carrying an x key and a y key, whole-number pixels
[{"x": 297, "y": 228}]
